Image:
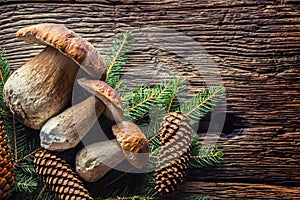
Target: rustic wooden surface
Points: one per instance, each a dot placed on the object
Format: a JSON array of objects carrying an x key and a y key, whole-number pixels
[{"x": 257, "y": 47}]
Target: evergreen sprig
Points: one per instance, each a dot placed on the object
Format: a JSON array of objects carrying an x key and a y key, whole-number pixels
[
  {"x": 205, "y": 156},
  {"x": 169, "y": 92},
  {"x": 203, "y": 103},
  {"x": 26, "y": 182},
  {"x": 156, "y": 102},
  {"x": 116, "y": 58},
  {"x": 140, "y": 101}
]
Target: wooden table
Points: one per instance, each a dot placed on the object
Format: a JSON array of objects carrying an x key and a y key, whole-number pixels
[{"x": 256, "y": 46}]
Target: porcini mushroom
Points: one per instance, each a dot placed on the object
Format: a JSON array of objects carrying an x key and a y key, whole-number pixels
[
  {"x": 65, "y": 130},
  {"x": 113, "y": 102},
  {"x": 42, "y": 87},
  {"x": 96, "y": 160},
  {"x": 133, "y": 142}
]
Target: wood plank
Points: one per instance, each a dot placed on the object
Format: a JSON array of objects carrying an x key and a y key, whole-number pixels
[
  {"x": 256, "y": 48},
  {"x": 267, "y": 155},
  {"x": 229, "y": 190}
]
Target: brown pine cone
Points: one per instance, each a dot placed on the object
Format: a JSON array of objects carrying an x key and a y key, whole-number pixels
[
  {"x": 176, "y": 137},
  {"x": 7, "y": 179},
  {"x": 59, "y": 176}
]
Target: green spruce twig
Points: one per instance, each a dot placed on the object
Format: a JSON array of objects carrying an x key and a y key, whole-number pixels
[
  {"x": 116, "y": 58},
  {"x": 138, "y": 102},
  {"x": 203, "y": 103},
  {"x": 205, "y": 156},
  {"x": 195, "y": 109}
]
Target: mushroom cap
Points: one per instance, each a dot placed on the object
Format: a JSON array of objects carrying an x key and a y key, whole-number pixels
[
  {"x": 134, "y": 143},
  {"x": 68, "y": 43},
  {"x": 107, "y": 95}
]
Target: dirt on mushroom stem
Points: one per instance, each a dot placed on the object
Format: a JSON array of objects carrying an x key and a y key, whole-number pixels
[
  {"x": 66, "y": 130},
  {"x": 41, "y": 88}
]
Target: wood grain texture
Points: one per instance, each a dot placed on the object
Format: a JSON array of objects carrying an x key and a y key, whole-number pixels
[{"x": 255, "y": 46}]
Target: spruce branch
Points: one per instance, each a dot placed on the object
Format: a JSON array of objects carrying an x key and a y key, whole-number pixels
[
  {"x": 177, "y": 90},
  {"x": 116, "y": 58},
  {"x": 11, "y": 126},
  {"x": 164, "y": 93},
  {"x": 203, "y": 103},
  {"x": 139, "y": 101},
  {"x": 4, "y": 73},
  {"x": 26, "y": 181},
  {"x": 47, "y": 195},
  {"x": 156, "y": 117},
  {"x": 205, "y": 156},
  {"x": 161, "y": 96}
]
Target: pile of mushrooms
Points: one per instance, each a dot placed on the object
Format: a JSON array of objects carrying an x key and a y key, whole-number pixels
[{"x": 38, "y": 94}]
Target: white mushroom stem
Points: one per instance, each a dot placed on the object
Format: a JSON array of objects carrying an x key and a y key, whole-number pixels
[
  {"x": 96, "y": 160},
  {"x": 41, "y": 88},
  {"x": 65, "y": 130}
]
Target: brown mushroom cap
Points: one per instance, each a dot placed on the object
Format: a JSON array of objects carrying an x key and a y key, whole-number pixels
[
  {"x": 106, "y": 94},
  {"x": 68, "y": 43},
  {"x": 134, "y": 143}
]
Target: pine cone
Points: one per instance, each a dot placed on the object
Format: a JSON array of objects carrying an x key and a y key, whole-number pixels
[
  {"x": 59, "y": 176},
  {"x": 176, "y": 137},
  {"x": 7, "y": 179}
]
